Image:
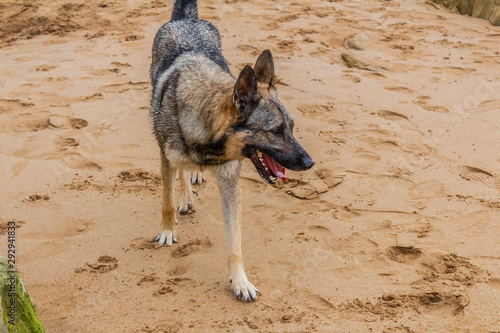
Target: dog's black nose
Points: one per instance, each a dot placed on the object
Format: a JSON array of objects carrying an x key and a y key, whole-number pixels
[{"x": 307, "y": 162}]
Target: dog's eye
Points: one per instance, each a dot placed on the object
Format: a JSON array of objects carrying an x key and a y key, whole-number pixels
[{"x": 278, "y": 130}]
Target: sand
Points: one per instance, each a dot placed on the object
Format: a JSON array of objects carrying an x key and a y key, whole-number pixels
[{"x": 395, "y": 229}]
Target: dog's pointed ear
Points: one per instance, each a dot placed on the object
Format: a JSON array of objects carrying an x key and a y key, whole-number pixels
[
  {"x": 264, "y": 68},
  {"x": 245, "y": 89}
]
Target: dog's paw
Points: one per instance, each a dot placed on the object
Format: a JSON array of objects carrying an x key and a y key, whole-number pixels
[
  {"x": 197, "y": 177},
  {"x": 186, "y": 203},
  {"x": 166, "y": 237},
  {"x": 243, "y": 289}
]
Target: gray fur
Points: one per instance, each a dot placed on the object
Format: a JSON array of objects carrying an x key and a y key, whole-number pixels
[{"x": 185, "y": 9}]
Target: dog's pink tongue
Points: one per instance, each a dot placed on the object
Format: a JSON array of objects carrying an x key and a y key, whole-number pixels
[{"x": 277, "y": 169}]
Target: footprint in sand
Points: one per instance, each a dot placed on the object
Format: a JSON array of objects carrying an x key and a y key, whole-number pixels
[
  {"x": 101, "y": 72},
  {"x": 287, "y": 18},
  {"x": 43, "y": 68},
  {"x": 352, "y": 78},
  {"x": 190, "y": 248},
  {"x": 353, "y": 244},
  {"x": 70, "y": 228},
  {"x": 391, "y": 115},
  {"x": 486, "y": 106},
  {"x": 316, "y": 111},
  {"x": 449, "y": 266},
  {"x": 38, "y": 197},
  {"x": 479, "y": 176},
  {"x": 366, "y": 155},
  {"x": 423, "y": 302},
  {"x": 13, "y": 105},
  {"x": 4, "y": 225},
  {"x": 248, "y": 49},
  {"x": 457, "y": 70},
  {"x": 319, "y": 231},
  {"x": 27, "y": 123},
  {"x": 104, "y": 264},
  {"x": 433, "y": 108},
  {"x": 122, "y": 87},
  {"x": 147, "y": 278},
  {"x": 78, "y": 161},
  {"x": 287, "y": 47},
  {"x": 66, "y": 142},
  {"x": 402, "y": 254},
  {"x": 324, "y": 54},
  {"x": 78, "y": 123},
  {"x": 403, "y": 90},
  {"x": 176, "y": 268},
  {"x": 121, "y": 64},
  {"x": 144, "y": 244},
  {"x": 168, "y": 286},
  {"x": 131, "y": 38},
  {"x": 494, "y": 283}
]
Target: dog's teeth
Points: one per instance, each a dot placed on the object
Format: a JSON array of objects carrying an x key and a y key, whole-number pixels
[{"x": 259, "y": 153}]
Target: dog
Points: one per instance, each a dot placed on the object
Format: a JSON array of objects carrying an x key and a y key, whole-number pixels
[{"x": 204, "y": 117}]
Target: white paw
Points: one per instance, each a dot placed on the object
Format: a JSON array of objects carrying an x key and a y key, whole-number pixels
[
  {"x": 243, "y": 289},
  {"x": 166, "y": 237},
  {"x": 197, "y": 177}
]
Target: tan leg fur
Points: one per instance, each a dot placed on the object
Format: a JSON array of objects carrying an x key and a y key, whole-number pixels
[
  {"x": 167, "y": 234},
  {"x": 227, "y": 176}
]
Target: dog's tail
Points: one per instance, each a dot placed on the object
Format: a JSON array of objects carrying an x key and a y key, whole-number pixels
[{"x": 185, "y": 9}]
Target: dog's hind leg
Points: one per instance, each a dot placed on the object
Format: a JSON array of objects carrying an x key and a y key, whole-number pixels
[
  {"x": 227, "y": 176},
  {"x": 167, "y": 234},
  {"x": 186, "y": 196}
]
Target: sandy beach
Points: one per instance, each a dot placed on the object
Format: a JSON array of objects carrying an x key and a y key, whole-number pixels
[{"x": 395, "y": 229}]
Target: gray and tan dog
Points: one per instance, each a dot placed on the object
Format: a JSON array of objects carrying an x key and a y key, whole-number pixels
[{"x": 203, "y": 117}]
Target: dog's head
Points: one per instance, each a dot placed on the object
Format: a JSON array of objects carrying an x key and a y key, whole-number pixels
[{"x": 268, "y": 128}]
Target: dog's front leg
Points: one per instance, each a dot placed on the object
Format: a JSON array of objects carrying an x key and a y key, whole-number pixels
[
  {"x": 167, "y": 234},
  {"x": 228, "y": 176}
]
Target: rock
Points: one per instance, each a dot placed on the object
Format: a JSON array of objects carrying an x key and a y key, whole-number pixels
[
  {"x": 357, "y": 41},
  {"x": 354, "y": 62},
  {"x": 57, "y": 121},
  {"x": 23, "y": 319},
  {"x": 486, "y": 9},
  {"x": 327, "y": 176},
  {"x": 303, "y": 192}
]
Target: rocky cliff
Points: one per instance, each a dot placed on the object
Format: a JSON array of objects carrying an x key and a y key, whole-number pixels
[{"x": 486, "y": 9}]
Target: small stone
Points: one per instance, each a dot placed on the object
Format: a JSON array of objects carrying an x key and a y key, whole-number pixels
[
  {"x": 357, "y": 41},
  {"x": 57, "y": 121},
  {"x": 81, "y": 228}
]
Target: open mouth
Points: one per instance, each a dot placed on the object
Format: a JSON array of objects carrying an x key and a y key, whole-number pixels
[{"x": 267, "y": 167}]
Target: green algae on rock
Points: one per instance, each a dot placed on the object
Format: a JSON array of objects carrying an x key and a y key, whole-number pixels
[
  {"x": 17, "y": 310},
  {"x": 353, "y": 62}
]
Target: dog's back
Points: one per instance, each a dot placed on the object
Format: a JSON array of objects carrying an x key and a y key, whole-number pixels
[
  {"x": 191, "y": 79},
  {"x": 185, "y": 33}
]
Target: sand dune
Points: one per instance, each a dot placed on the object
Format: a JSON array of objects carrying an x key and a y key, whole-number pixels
[{"x": 395, "y": 229}]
